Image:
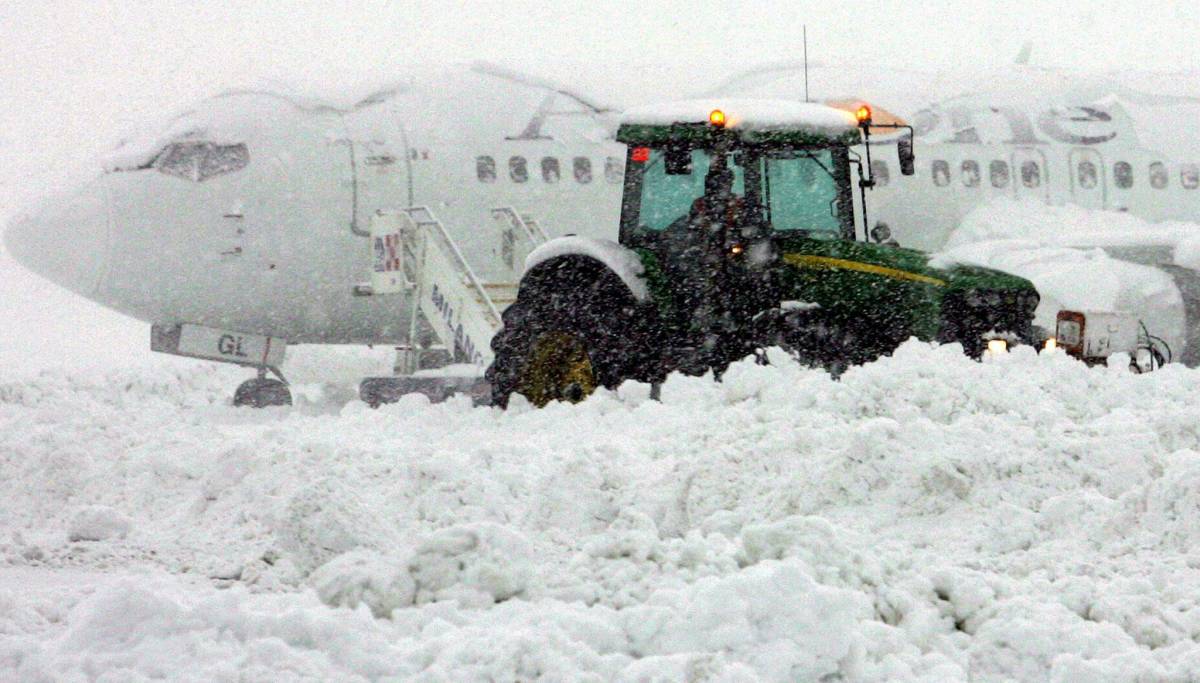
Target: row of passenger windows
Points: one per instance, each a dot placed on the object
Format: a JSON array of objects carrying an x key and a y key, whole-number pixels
[
  {"x": 1087, "y": 174},
  {"x": 999, "y": 174},
  {"x": 518, "y": 169},
  {"x": 1189, "y": 175}
]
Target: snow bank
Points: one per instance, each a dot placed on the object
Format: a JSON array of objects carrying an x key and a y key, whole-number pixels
[
  {"x": 926, "y": 518},
  {"x": 98, "y": 523}
]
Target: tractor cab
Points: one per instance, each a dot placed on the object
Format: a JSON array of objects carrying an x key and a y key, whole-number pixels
[{"x": 741, "y": 171}]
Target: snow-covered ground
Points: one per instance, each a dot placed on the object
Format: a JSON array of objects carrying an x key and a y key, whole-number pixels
[{"x": 926, "y": 518}]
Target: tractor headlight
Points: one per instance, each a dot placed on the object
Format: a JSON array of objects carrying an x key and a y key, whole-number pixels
[
  {"x": 1051, "y": 344},
  {"x": 997, "y": 346}
]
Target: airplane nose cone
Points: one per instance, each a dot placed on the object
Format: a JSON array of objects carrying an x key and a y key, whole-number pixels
[{"x": 65, "y": 238}]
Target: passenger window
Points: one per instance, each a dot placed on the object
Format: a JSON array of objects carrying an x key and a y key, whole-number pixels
[
  {"x": 1123, "y": 175},
  {"x": 1087, "y": 175},
  {"x": 550, "y": 172},
  {"x": 583, "y": 170},
  {"x": 941, "y": 173},
  {"x": 1031, "y": 174},
  {"x": 998, "y": 170},
  {"x": 613, "y": 170},
  {"x": 485, "y": 169},
  {"x": 1158, "y": 175},
  {"x": 1189, "y": 176},
  {"x": 200, "y": 161},
  {"x": 517, "y": 169},
  {"x": 970, "y": 173},
  {"x": 879, "y": 172}
]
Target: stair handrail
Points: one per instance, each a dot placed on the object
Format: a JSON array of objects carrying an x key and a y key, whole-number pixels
[{"x": 429, "y": 220}]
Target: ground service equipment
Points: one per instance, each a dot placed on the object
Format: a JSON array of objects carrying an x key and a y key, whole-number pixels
[{"x": 740, "y": 230}]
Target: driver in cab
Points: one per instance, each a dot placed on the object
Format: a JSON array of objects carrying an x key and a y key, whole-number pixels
[{"x": 719, "y": 206}]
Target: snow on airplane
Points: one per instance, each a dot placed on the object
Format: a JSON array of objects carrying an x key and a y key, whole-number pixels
[{"x": 243, "y": 226}]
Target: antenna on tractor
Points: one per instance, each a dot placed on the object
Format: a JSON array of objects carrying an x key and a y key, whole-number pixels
[{"x": 805, "y": 62}]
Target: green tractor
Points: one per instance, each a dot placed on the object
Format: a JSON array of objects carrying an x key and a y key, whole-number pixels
[{"x": 739, "y": 232}]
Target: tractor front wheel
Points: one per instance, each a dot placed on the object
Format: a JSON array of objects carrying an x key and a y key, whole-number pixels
[{"x": 574, "y": 327}]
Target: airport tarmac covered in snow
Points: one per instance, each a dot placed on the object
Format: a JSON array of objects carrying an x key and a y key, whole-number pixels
[{"x": 931, "y": 517}]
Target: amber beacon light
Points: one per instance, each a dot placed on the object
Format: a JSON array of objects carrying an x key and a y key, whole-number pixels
[
  {"x": 863, "y": 114},
  {"x": 717, "y": 118}
]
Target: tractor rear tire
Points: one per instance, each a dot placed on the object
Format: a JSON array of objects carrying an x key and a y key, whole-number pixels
[{"x": 574, "y": 327}]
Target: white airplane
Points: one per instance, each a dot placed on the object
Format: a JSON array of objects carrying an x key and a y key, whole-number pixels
[
  {"x": 247, "y": 216},
  {"x": 242, "y": 226}
]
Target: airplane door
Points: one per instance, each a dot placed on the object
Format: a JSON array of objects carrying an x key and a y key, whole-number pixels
[
  {"x": 379, "y": 179},
  {"x": 1089, "y": 188},
  {"x": 380, "y": 161},
  {"x": 1030, "y": 174}
]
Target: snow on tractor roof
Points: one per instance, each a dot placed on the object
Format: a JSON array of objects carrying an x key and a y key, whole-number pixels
[{"x": 750, "y": 116}]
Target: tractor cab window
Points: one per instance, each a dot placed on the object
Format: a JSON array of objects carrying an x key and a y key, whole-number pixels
[
  {"x": 669, "y": 198},
  {"x": 801, "y": 192},
  {"x": 792, "y": 190}
]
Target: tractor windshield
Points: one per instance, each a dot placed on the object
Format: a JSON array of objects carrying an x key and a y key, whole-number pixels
[{"x": 792, "y": 190}]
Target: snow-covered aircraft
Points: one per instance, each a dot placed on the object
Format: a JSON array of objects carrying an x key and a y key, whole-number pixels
[
  {"x": 1022, "y": 132},
  {"x": 247, "y": 217},
  {"x": 243, "y": 224}
]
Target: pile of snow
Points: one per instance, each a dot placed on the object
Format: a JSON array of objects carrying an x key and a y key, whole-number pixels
[
  {"x": 97, "y": 523},
  {"x": 1061, "y": 249},
  {"x": 926, "y": 518}
]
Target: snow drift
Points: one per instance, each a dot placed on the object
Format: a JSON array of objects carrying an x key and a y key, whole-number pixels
[{"x": 925, "y": 518}]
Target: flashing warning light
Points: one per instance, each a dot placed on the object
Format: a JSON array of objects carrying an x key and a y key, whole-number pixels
[
  {"x": 863, "y": 114},
  {"x": 640, "y": 155},
  {"x": 736, "y": 249},
  {"x": 717, "y": 118}
]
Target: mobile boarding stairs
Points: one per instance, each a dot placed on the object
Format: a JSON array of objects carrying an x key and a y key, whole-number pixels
[{"x": 415, "y": 256}]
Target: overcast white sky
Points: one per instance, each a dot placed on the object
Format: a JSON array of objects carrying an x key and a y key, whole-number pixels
[{"x": 141, "y": 45}]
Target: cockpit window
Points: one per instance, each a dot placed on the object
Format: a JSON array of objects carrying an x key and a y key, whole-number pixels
[{"x": 200, "y": 161}]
